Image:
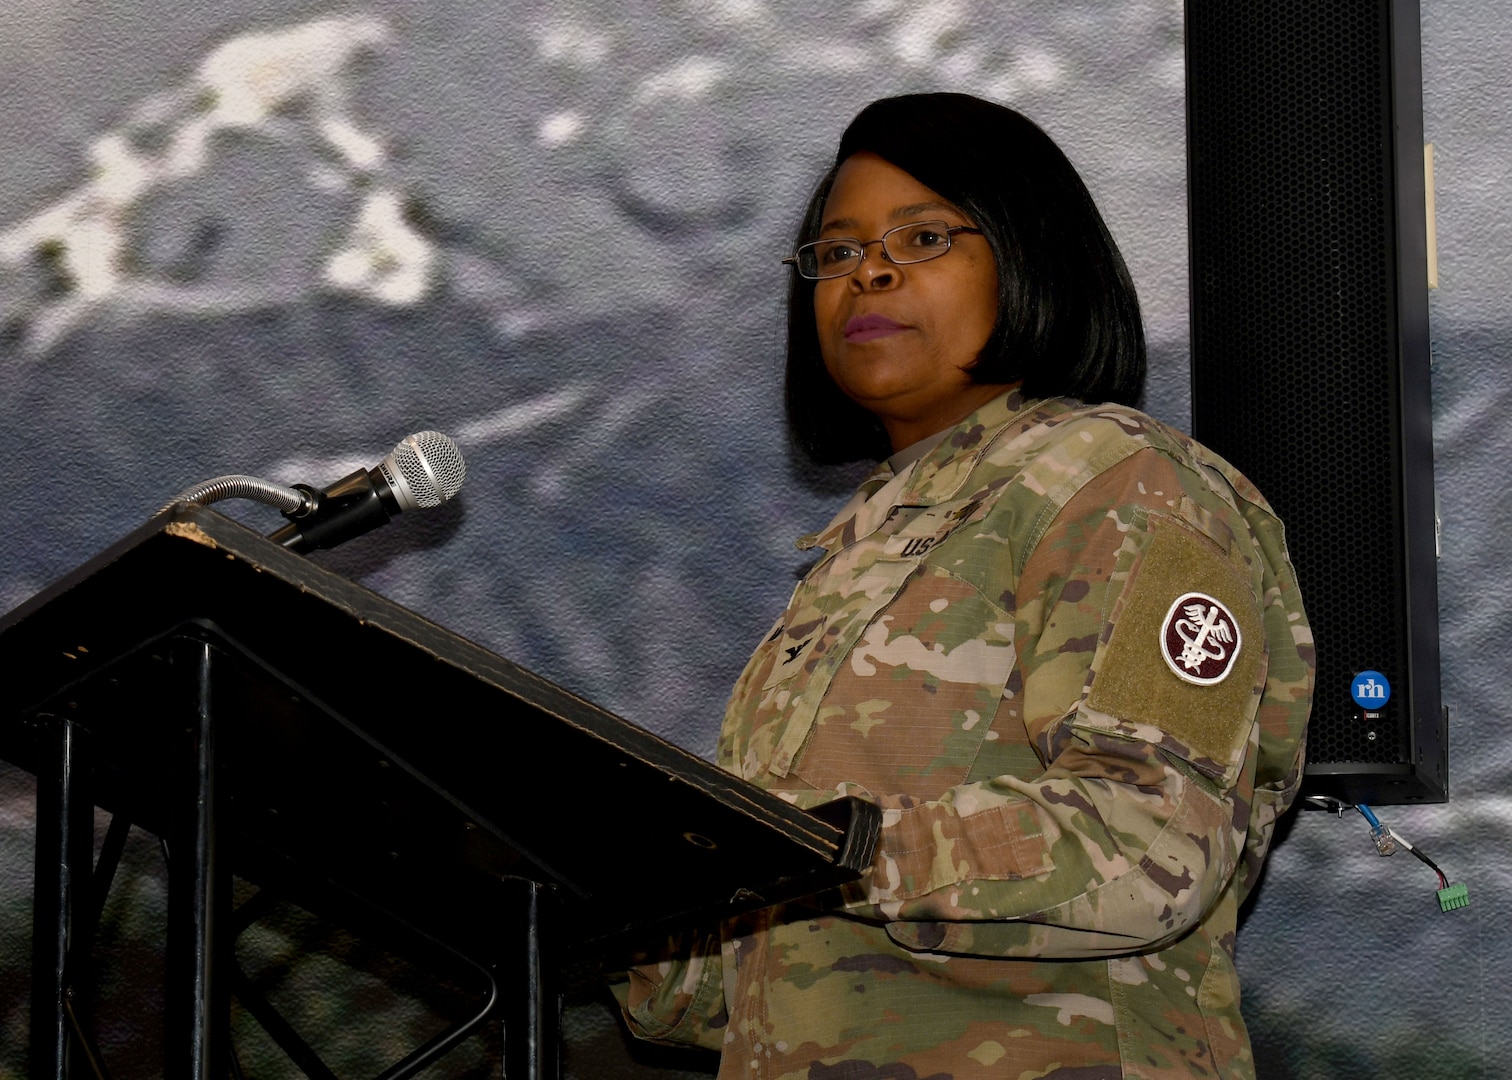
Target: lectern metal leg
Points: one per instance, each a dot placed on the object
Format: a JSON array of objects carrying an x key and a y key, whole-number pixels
[
  {"x": 196, "y": 1016},
  {"x": 530, "y": 1006},
  {"x": 65, "y": 849}
]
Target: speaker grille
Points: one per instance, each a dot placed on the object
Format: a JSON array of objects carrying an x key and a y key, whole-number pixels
[{"x": 1295, "y": 322}]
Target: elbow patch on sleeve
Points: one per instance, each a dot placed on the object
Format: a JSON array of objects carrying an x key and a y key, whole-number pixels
[{"x": 1184, "y": 662}]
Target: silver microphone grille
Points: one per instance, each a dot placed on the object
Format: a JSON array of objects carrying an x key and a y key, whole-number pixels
[{"x": 425, "y": 469}]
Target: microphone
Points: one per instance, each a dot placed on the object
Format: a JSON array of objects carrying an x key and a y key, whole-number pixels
[{"x": 423, "y": 470}]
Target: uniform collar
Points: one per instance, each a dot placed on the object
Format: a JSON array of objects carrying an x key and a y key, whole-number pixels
[
  {"x": 942, "y": 471},
  {"x": 912, "y": 453},
  {"x": 922, "y": 480}
]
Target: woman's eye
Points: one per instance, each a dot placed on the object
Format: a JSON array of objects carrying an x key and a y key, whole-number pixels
[{"x": 838, "y": 252}]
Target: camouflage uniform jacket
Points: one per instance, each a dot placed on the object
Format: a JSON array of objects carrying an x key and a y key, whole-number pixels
[{"x": 1065, "y": 652}]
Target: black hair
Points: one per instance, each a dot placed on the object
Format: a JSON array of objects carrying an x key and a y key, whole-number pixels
[{"x": 1068, "y": 318}]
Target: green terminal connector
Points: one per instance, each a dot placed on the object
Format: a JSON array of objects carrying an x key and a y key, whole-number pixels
[{"x": 1455, "y": 896}]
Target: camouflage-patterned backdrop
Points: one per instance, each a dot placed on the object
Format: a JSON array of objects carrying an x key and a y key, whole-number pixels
[{"x": 273, "y": 238}]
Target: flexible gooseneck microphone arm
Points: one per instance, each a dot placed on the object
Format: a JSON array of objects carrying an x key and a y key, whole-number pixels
[{"x": 241, "y": 487}]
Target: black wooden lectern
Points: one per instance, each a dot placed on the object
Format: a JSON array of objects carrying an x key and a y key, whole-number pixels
[{"x": 269, "y": 719}]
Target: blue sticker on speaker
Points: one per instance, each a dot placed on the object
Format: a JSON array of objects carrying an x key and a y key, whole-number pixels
[{"x": 1370, "y": 690}]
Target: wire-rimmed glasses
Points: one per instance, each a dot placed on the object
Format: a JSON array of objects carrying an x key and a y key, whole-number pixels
[{"x": 916, "y": 242}]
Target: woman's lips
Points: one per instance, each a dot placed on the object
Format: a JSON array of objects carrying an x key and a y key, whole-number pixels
[{"x": 869, "y": 327}]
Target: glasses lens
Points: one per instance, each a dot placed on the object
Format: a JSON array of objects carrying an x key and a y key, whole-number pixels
[
  {"x": 916, "y": 242},
  {"x": 828, "y": 258}
]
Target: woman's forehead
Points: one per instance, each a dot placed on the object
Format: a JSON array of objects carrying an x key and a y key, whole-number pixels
[{"x": 868, "y": 189}]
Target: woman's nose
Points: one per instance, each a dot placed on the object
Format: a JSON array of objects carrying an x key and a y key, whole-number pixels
[{"x": 876, "y": 271}]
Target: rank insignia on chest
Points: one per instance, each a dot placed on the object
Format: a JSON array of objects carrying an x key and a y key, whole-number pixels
[{"x": 1200, "y": 639}]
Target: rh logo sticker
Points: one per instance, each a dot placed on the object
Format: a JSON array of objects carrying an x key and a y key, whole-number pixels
[
  {"x": 1200, "y": 639},
  {"x": 1370, "y": 690}
]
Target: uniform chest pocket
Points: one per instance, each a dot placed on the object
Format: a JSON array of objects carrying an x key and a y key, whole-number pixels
[
  {"x": 824, "y": 617},
  {"x": 846, "y": 591},
  {"x": 825, "y": 620},
  {"x": 883, "y": 637},
  {"x": 907, "y": 708}
]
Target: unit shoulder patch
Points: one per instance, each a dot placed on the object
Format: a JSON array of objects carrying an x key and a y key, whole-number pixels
[{"x": 1186, "y": 648}]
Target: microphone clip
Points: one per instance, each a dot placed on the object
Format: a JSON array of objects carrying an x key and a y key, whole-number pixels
[{"x": 353, "y": 505}]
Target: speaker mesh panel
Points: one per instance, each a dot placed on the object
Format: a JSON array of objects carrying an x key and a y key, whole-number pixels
[{"x": 1294, "y": 324}]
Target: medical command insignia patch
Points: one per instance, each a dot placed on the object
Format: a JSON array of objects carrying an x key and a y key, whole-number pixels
[{"x": 1200, "y": 639}]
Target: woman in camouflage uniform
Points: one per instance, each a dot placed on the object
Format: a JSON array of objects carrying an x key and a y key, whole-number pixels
[{"x": 1058, "y": 642}]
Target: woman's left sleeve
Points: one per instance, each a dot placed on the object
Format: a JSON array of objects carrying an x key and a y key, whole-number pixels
[{"x": 1159, "y": 670}]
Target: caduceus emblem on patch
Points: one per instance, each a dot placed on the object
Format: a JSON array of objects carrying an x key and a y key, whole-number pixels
[{"x": 1200, "y": 639}]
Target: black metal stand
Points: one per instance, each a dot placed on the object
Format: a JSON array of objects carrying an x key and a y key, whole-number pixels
[
  {"x": 532, "y": 1043},
  {"x": 65, "y": 846},
  {"x": 199, "y": 882}
]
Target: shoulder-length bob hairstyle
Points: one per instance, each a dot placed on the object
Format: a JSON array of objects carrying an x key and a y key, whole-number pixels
[{"x": 1067, "y": 320}]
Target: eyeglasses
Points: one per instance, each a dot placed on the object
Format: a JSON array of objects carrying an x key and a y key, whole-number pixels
[{"x": 917, "y": 242}]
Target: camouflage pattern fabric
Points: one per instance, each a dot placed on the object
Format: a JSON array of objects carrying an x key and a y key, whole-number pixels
[{"x": 1065, "y": 652}]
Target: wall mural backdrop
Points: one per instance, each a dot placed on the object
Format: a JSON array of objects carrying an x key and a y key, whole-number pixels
[{"x": 274, "y": 238}]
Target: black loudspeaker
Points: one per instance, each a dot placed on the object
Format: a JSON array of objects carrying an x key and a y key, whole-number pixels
[{"x": 1310, "y": 352}]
